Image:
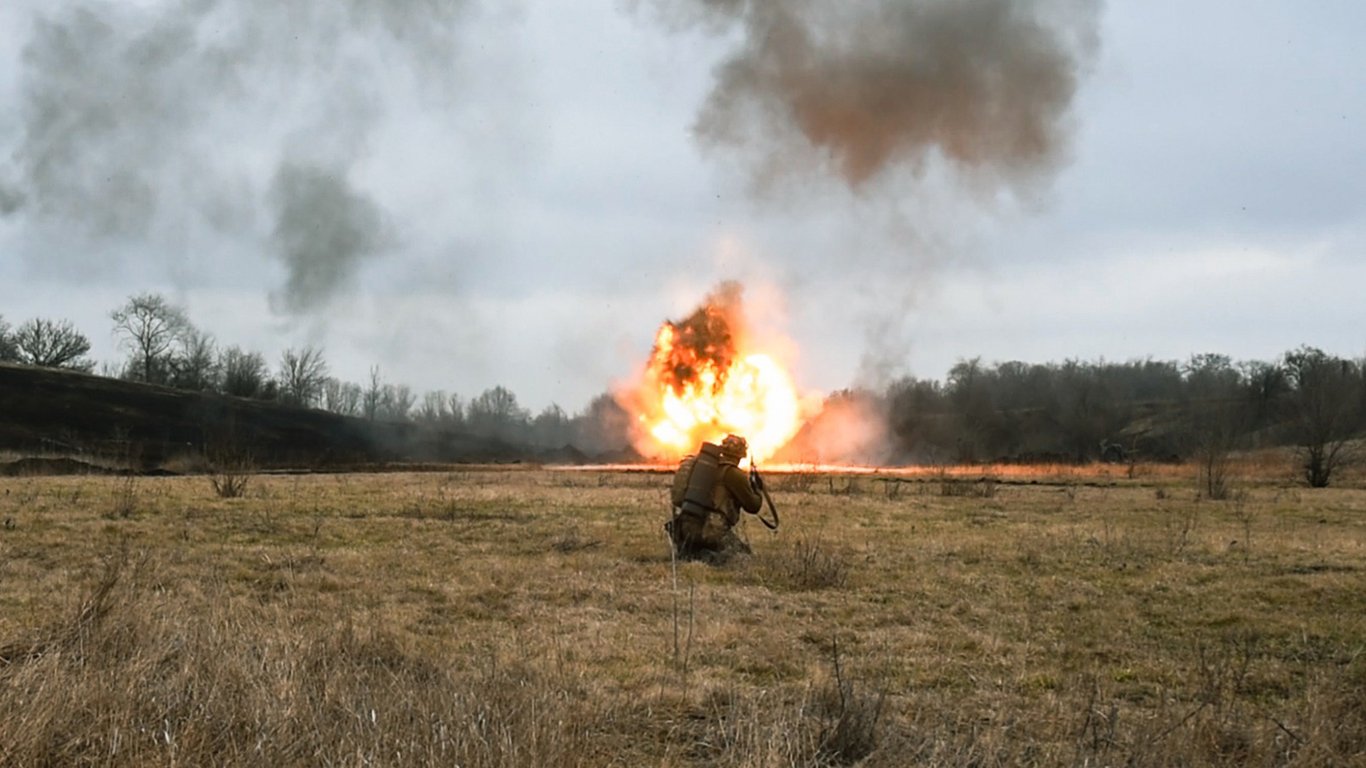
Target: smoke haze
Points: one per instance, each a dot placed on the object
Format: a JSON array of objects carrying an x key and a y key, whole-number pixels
[
  {"x": 849, "y": 428},
  {"x": 135, "y": 123}
]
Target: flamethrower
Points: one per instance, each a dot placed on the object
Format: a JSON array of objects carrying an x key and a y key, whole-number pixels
[{"x": 756, "y": 482}]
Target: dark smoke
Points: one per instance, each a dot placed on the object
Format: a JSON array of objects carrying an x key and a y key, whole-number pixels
[
  {"x": 109, "y": 98},
  {"x": 705, "y": 339},
  {"x": 323, "y": 229},
  {"x": 908, "y": 103},
  {"x": 11, "y": 199},
  {"x": 184, "y": 115},
  {"x": 874, "y": 84}
]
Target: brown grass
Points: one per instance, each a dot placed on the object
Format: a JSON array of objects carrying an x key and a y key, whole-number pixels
[{"x": 524, "y": 617}]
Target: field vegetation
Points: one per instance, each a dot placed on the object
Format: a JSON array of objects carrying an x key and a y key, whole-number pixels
[{"x": 495, "y": 616}]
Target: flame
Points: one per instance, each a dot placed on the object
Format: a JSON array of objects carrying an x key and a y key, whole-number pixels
[{"x": 704, "y": 381}]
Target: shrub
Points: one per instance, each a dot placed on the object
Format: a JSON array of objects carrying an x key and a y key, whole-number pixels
[{"x": 809, "y": 564}]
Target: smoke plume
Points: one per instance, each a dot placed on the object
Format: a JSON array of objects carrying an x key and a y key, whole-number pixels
[
  {"x": 859, "y": 88},
  {"x": 109, "y": 100},
  {"x": 154, "y": 120},
  {"x": 850, "y": 428},
  {"x": 323, "y": 229},
  {"x": 10, "y": 198}
]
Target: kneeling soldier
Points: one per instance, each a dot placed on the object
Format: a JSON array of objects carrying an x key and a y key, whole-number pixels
[{"x": 709, "y": 490}]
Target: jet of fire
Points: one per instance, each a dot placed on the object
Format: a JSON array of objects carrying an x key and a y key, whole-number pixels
[{"x": 703, "y": 381}]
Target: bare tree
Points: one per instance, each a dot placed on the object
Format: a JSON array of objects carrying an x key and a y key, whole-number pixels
[
  {"x": 242, "y": 373},
  {"x": 350, "y": 400},
  {"x": 373, "y": 396},
  {"x": 495, "y": 413},
  {"x": 1326, "y": 402},
  {"x": 8, "y": 352},
  {"x": 433, "y": 409},
  {"x": 194, "y": 365},
  {"x": 52, "y": 344},
  {"x": 1265, "y": 386},
  {"x": 1211, "y": 375},
  {"x": 386, "y": 402},
  {"x": 1085, "y": 408},
  {"x": 148, "y": 326},
  {"x": 551, "y": 428},
  {"x": 603, "y": 426},
  {"x": 396, "y": 402},
  {"x": 342, "y": 397},
  {"x": 916, "y": 410},
  {"x": 1217, "y": 419},
  {"x": 1216, "y": 427},
  {"x": 969, "y": 390},
  {"x": 455, "y": 410},
  {"x": 302, "y": 375}
]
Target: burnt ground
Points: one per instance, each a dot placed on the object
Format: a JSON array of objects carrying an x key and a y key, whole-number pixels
[
  {"x": 108, "y": 422},
  {"x": 35, "y": 465}
]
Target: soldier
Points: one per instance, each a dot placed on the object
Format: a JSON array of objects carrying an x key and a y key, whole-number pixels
[{"x": 709, "y": 490}]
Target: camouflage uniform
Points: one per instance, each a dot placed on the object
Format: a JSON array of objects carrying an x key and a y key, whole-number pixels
[{"x": 708, "y": 536}]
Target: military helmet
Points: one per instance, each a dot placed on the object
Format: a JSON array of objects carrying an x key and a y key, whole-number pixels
[{"x": 735, "y": 446}]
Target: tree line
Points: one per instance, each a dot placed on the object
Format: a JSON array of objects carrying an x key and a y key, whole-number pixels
[
  {"x": 1075, "y": 411},
  {"x": 1078, "y": 411},
  {"x": 163, "y": 347}
]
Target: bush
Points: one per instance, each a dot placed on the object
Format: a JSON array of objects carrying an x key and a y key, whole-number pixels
[
  {"x": 230, "y": 466},
  {"x": 809, "y": 564}
]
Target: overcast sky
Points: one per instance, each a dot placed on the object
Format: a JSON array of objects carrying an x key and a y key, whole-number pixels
[{"x": 477, "y": 193}]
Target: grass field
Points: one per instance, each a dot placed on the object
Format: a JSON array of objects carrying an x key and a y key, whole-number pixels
[{"x": 509, "y": 617}]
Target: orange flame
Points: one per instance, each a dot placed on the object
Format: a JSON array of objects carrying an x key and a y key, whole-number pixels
[{"x": 703, "y": 382}]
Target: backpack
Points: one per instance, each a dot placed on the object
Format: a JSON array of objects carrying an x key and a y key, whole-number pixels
[{"x": 694, "y": 485}]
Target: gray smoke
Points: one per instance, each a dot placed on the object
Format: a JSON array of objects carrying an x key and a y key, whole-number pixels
[
  {"x": 109, "y": 96},
  {"x": 11, "y": 199},
  {"x": 866, "y": 86},
  {"x": 324, "y": 229},
  {"x": 139, "y": 120}
]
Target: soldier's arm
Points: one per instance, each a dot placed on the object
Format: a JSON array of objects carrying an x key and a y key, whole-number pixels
[{"x": 737, "y": 483}]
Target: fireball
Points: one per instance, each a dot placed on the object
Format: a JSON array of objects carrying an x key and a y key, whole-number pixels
[{"x": 703, "y": 381}]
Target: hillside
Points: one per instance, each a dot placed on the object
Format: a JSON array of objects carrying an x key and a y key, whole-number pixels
[{"x": 47, "y": 411}]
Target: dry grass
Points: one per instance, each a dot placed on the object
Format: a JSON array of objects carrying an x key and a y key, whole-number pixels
[{"x": 522, "y": 617}]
